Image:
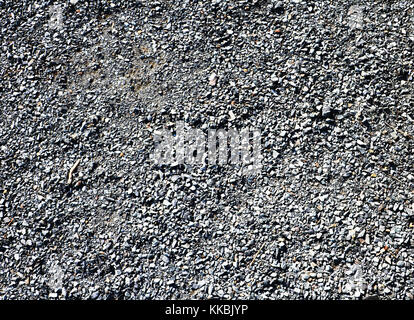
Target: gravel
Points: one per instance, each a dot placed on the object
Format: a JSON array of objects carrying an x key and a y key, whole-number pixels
[{"x": 84, "y": 86}]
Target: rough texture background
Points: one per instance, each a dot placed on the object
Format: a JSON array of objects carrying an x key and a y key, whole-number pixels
[{"x": 328, "y": 83}]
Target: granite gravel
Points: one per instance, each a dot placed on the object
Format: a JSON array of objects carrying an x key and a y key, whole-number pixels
[{"x": 86, "y": 214}]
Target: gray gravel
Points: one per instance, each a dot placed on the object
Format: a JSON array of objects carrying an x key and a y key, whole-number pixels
[{"x": 328, "y": 83}]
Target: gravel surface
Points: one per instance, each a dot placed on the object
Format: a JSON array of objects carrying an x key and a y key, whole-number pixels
[{"x": 85, "y": 213}]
